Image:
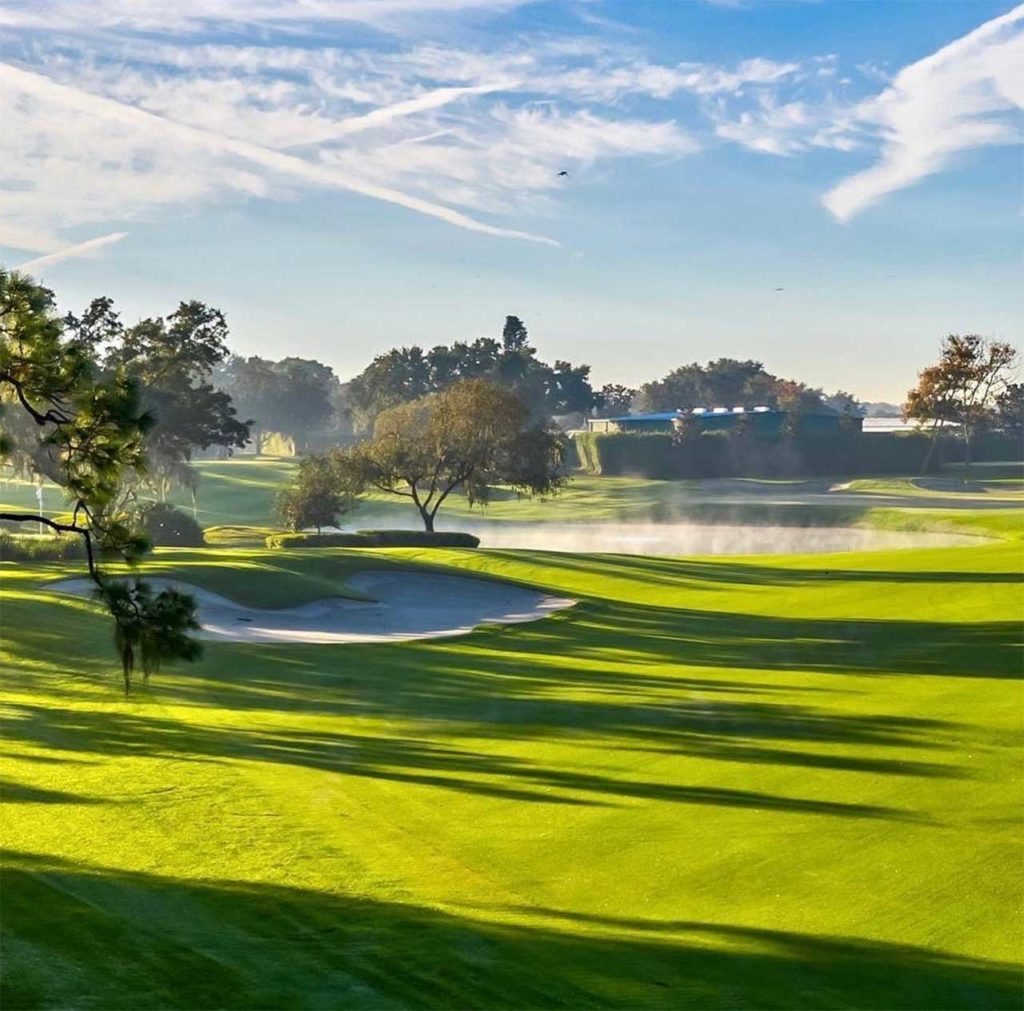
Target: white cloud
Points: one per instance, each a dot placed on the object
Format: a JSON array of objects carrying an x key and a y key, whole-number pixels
[
  {"x": 191, "y": 15},
  {"x": 609, "y": 80},
  {"x": 383, "y": 116},
  {"x": 81, "y": 249},
  {"x": 122, "y": 127},
  {"x": 965, "y": 96},
  {"x": 511, "y": 154},
  {"x": 117, "y": 111},
  {"x": 138, "y": 134},
  {"x": 788, "y": 128}
]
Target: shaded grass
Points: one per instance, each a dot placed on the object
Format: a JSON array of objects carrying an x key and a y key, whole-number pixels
[
  {"x": 505, "y": 956},
  {"x": 963, "y": 485}
]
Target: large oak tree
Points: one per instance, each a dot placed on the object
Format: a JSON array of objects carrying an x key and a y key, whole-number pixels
[{"x": 469, "y": 437}]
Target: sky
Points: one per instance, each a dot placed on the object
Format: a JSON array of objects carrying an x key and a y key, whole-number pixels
[{"x": 828, "y": 187}]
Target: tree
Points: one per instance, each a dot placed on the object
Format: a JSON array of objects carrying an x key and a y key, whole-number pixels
[
  {"x": 253, "y": 386},
  {"x": 461, "y": 360},
  {"x": 569, "y": 390},
  {"x": 846, "y": 405},
  {"x": 315, "y": 498},
  {"x": 1008, "y": 413},
  {"x": 685, "y": 429},
  {"x": 294, "y": 396},
  {"x": 149, "y": 627},
  {"x": 171, "y": 359},
  {"x": 469, "y": 437},
  {"x": 514, "y": 338},
  {"x": 726, "y": 382},
  {"x": 405, "y": 374},
  {"x": 961, "y": 388},
  {"x": 304, "y": 396},
  {"x": 614, "y": 399},
  {"x": 67, "y": 420},
  {"x": 400, "y": 375}
]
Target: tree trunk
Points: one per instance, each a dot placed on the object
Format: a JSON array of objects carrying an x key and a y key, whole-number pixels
[
  {"x": 428, "y": 520},
  {"x": 932, "y": 445},
  {"x": 127, "y": 662}
]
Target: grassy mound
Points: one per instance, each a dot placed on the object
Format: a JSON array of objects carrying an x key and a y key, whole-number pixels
[{"x": 712, "y": 784}]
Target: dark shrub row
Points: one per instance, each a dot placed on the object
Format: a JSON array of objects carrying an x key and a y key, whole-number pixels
[
  {"x": 29, "y": 548},
  {"x": 375, "y": 539},
  {"x": 721, "y": 454}
]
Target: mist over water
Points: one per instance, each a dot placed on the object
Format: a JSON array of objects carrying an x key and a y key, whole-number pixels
[
  {"x": 684, "y": 538},
  {"x": 698, "y": 538}
]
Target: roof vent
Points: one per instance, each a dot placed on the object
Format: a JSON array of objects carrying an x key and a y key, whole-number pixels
[
  {"x": 762, "y": 410},
  {"x": 721, "y": 410},
  {"x": 698, "y": 410},
  {"x": 738, "y": 410}
]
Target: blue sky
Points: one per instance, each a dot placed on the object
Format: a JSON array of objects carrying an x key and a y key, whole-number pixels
[{"x": 342, "y": 176}]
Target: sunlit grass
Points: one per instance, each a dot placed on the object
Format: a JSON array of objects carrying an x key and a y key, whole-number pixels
[
  {"x": 742, "y": 783},
  {"x": 973, "y": 487}
]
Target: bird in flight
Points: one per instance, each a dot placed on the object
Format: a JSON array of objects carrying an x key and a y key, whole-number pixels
[
  {"x": 563, "y": 173},
  {"x": 779, "y": 289}
]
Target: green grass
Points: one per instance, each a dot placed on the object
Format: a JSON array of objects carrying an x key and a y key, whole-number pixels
[
  {"x": 757, "y": 783},
  {"x": 239, "y": 491},
  {"x": 973, "y": 487},
  {"x": 236, "y": 500},
  {"x": 253, "y": 484}
]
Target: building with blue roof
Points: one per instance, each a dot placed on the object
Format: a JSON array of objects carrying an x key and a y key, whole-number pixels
[{"x": 763, "y": 421}]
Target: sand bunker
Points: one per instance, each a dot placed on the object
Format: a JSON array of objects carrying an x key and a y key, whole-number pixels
[{"x": 405, "y": 605}]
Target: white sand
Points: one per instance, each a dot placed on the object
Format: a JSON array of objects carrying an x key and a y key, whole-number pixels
[{"x": 405, "y": 605}]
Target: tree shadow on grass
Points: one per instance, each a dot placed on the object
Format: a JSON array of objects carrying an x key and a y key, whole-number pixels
[
  {"x": 710, "y": 685},
  {"x": 610, "y": 675},
  {"x": 396, "y": 759},
  {"x": 696, "y": 574},
  {"x": 24, "y": 793},
  {"x": 717, "y": 639},
  {"x": 94, "y": 937}
]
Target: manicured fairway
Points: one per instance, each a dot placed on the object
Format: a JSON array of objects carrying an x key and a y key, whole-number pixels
[{"x": 784, "y": 783}]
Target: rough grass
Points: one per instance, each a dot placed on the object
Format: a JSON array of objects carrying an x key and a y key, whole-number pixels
[
  {"x": 755, "y": 783},
  {"x": 975, "y": 487}
]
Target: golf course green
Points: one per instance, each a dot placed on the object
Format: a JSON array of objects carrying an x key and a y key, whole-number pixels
[{"x": 757, "y": 782}]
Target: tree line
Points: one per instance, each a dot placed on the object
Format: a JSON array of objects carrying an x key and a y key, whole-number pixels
[{"x": 406, "y": 374}]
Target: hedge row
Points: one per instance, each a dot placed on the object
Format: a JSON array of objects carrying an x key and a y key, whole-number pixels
[
  {"x": 719, "y": 454},
  {"x": 375, "y": 539},
  {"x": 32, "y": 548}
]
